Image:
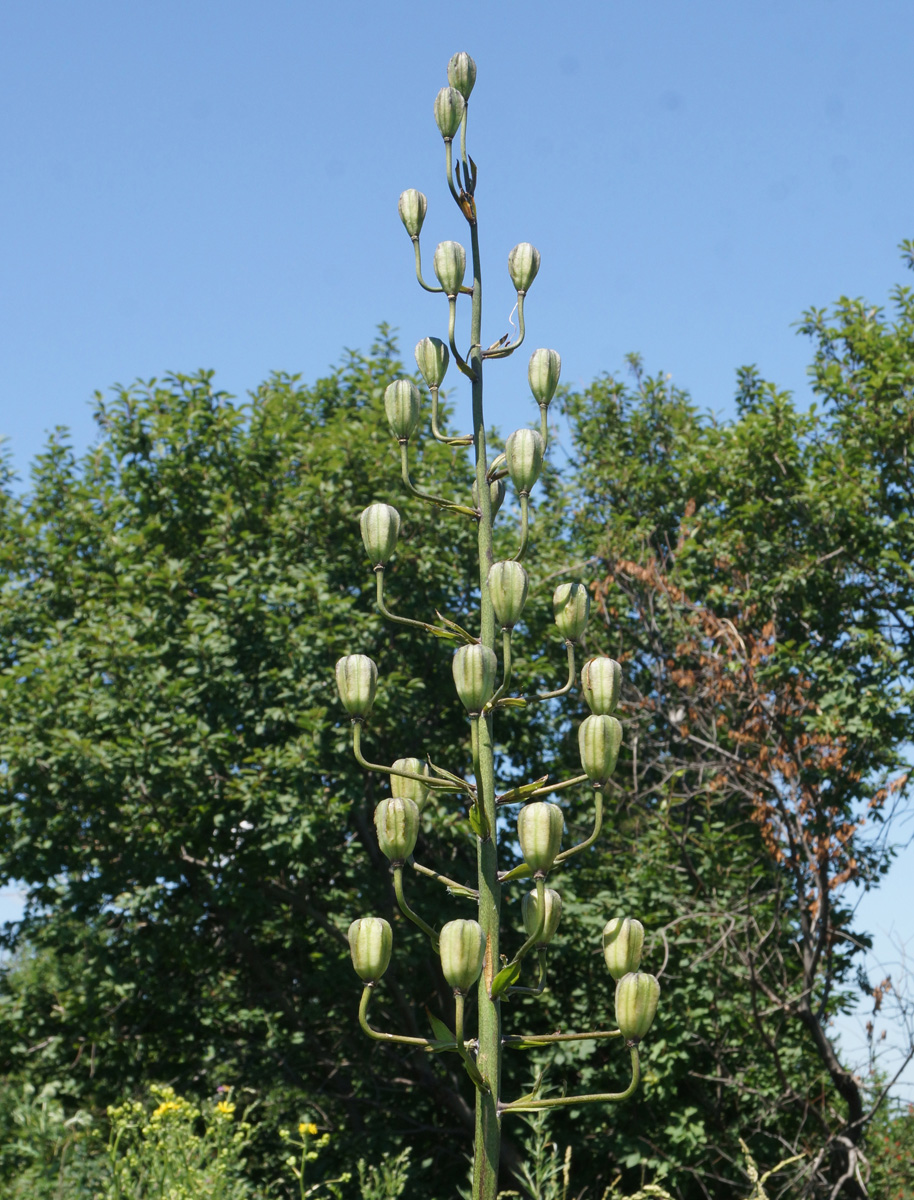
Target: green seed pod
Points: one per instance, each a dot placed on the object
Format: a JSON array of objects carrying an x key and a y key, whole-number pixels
[
  {"x": 397, "y": 823},
  {"x": 599, "y": 739},
  {"x": 496, "y": 495},
  {"x": 636, "y": 1005},
  {"x": 530, "y": 908},
  {"x": 601, "y": 683},
  {"x": 370, "y": 944},
  {"x": 524, "y": 456},
  {"x": 402, "y": 403},
  {"x": 380, "y": 525},
  {"x": 449, "y": 106},
  {"x": 412, "y": 207},
  {"x": 357, "y": 681},
  {"x": 474, "y": 668},
  {"x": 523, "y": 264},
  {"x": 623, "y": 939},
  {"x": 461, "y": 74},
  {"x": 461, "y": 945},
  {"x": 410, "y": 789},
  {"x": 508, "y": 589},
  {"x": 539, "y": 830},
  {"x": 450, "y": 264},
  {"x": 571, "y": 609},
  {"x": 432, "y": 358},
  {"x": 543, "y": 374}
]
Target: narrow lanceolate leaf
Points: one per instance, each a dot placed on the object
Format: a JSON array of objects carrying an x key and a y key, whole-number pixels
[{"x": 503, "y": 980}]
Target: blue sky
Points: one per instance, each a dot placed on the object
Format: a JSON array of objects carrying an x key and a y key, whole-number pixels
[{"x": 195, "y": 183}]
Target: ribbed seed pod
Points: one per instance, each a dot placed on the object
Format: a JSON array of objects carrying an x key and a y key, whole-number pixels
[
  {"x": 410, "y": 789},
  {"x": 530, "y": 909},
  {"x": 496, "y": 495},
  {"x": 450, "y": 264},
  {"x": 636, "y": 1005},
  {"x": 397, "y": 823},
  {"x": 449, "y": 106},
  {"x": 543, "y": 374},
  {"x": 623, "y": 939},
  {"x": 370, "y": 944},
  {"x": 412, "y": 207},
  {"x": 357, "y": 681},
  {"x": 508, "y": 590},
  {"x": 402, "y": 403},
  {"x": 524, "y": 458},
  {"x": 539, "y": 830},
  {"x": 601, "y": 683},
  {"x": 432, "y": 358},
  {"x": 474, "y": 668},
  {"x": 461, "y": 74},
  {"x": 380, "y": 525},
  {"x": 462, "y": 947},
  {"x": 523, "y": 264},
  {"x": 571, "y": 610},
  {"x": 599, "y": 739}
]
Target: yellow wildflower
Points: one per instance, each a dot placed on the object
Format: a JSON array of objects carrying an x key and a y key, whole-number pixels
[
  {"x": 225, "y": 1108},
  {"x": 309, "y": 1128},
  {"x": 166, "y": 1107}
]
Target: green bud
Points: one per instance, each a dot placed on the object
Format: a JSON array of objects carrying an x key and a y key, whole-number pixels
[
  {"x": 623, "y": 938},
  {"x": 543, "y": 373},
  {"x": 599, "y": 739},
  {"x": 432, "y": 358},
  {"x": 601, "y": 683},
  {"x": 523, "y": 264},
  {"x": 524, "y": 456},
  {"x": 571, "y": 609},
  {"x": 412, "y": 207},
  {"x": 474, "y": 668},
  {"x": 496, "y": 495},
  {"x": 462, "y": 946},
  {"x": 357, "y": 681},
  {"x": 636, "y": 1005},
  {"x": 539, "y": 830},
  {"x": 530, "y": 908},
  {"x": 461, "y": 74},
  {"x": 410, "y": 789},
  {"x": 370, "y": 944},
  {"x": 397, "y": 823},
  {"x": 449, "y": 106},
  {"x": 450, "y": 264},
  {"x": 402, "y": 403},
  {"x": 508, "y": 590},
  {"x": 380, "y": 525}
]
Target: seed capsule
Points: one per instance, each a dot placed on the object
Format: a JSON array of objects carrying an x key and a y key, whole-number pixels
[
  {"x": 450, "y": 264},
  {"x": 539, "y": 830},
  {"x": 402, "y": 404},
  {"x": 380, "y": 525},
  {"x": 496, "y": 495},
  {"x": 636, "y": 1005},
  {"x": 462, "y": 947},
  {"x": 397, "y": 823},
  {"x": 449, "y": 106},
  {"x": 523, "y": 264},
  {"x": 524, "y": 457},
  {"x": 370, "y": 944},
  {"x": 623, "y": 939},
  {"x": 543, "y": 374},
  {"x": 599, "y": 739},
  {"x": 410, "y": 789},
  {"x": 601, "y": 683},
  {"x": 571, "y": 609},
  {"x": 412, "y": 207},
  {"x": 461, "y": 74},
  {"x": 474, "y": 668},
  {"x": 530, "y": 908},
  {"x": 357, "y": 681},
  {"x": 432, "y": 358},
  {"x": 508, "y": 590}
]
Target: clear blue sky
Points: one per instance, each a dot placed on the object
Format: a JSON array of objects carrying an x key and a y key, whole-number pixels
[{"x": 214, "y": 184}]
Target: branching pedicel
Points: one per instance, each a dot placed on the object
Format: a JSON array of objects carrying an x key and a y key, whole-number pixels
[{"x": 469, "y": 949}]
